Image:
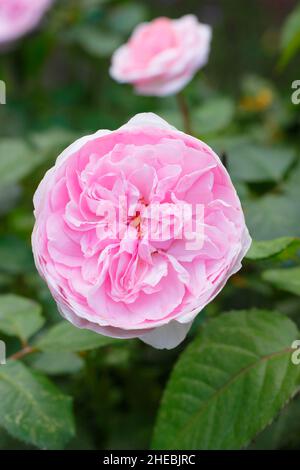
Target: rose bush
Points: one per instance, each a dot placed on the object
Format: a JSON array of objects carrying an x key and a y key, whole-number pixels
[
  {"x": 138, "y": 285},
  {"x": 18, "y": 17},
  {"x": 162, "y": 56}
]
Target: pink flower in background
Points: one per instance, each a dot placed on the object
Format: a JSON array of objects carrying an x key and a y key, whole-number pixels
[
  {"x": 162, "y": 56},
  {"x": 123, "y": 279},
  {"x": 18, "y": 17}
]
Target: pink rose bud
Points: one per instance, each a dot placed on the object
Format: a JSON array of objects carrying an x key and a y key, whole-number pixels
[
  {"x": 162, "y": 56},
  {"x": 18, "y": 17},
  {"x": 137, "y": 230}
]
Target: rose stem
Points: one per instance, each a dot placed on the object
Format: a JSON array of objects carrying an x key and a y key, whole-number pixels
[
  {"x": 185, "y": 113},
  {"x": 23, "y": 352}
]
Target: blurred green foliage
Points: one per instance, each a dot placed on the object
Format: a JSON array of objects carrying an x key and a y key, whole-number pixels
[{"x": 58, "y": 89}]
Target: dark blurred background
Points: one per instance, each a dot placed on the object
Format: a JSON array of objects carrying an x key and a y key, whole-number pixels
[{"x": 58, "y": 75}]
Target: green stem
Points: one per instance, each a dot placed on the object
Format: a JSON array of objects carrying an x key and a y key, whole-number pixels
[
  {"x": 185, "y": 113},
  {"x": 23, "y": 352}
]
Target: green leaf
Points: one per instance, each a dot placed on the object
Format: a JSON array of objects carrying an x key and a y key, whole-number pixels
[
  {"x": 96, "y": 42},
  {"x": 86, "y": 4},
  {"x": 265, "y": 249},
  {"x": 57, "y": 362},
  {"x": 285, "y": 279},
  {"x": 51, "y": 142},
  {"x": 290, "y": 39},
  {"x": 213, "y": 116},
  {"x": 225, "y": 143},
  {"x": 15, "y": 255},
  {"x": 257, "y": 163},
  {"x": 173, "y": 117},
  {"x": 9, "y": 196},
  {"x": 19, "y": 316},
  {"x": 32, "y": 409},
  {"x": 291, "y": 186},
  {"x": 284, "y": 433},
  {"x": 66, "y": 337},
  {"x": 251, "y": 162},
  {"x": 229, "y": 383},
  {"x": 124, "y": 18},
  {"x": 273, "y": 216},
  {"x": 17, "y": 160}
]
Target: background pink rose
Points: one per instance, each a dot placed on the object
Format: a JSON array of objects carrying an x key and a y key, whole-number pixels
[
  {"x": 162, "y": 56},
  {"x": 138, "y": 286},
  {"x": 18, "y": 17}
]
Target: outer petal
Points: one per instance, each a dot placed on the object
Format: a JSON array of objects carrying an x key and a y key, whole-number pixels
[
  {"x": 110, "y": 331},
  {"x": 245, "y": 246},
  {"x": 167, "y": 336},
  {"x": 23, "y": 23},
  {"x": 147, "y": 120},
  {"x": 78, "y": 144}
]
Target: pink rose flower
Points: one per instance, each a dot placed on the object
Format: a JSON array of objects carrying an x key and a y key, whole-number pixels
[
  {"x": 162, "y": 56},
  {"x": 111, "y": 240},
  {"x": 18, "y": 17}
]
